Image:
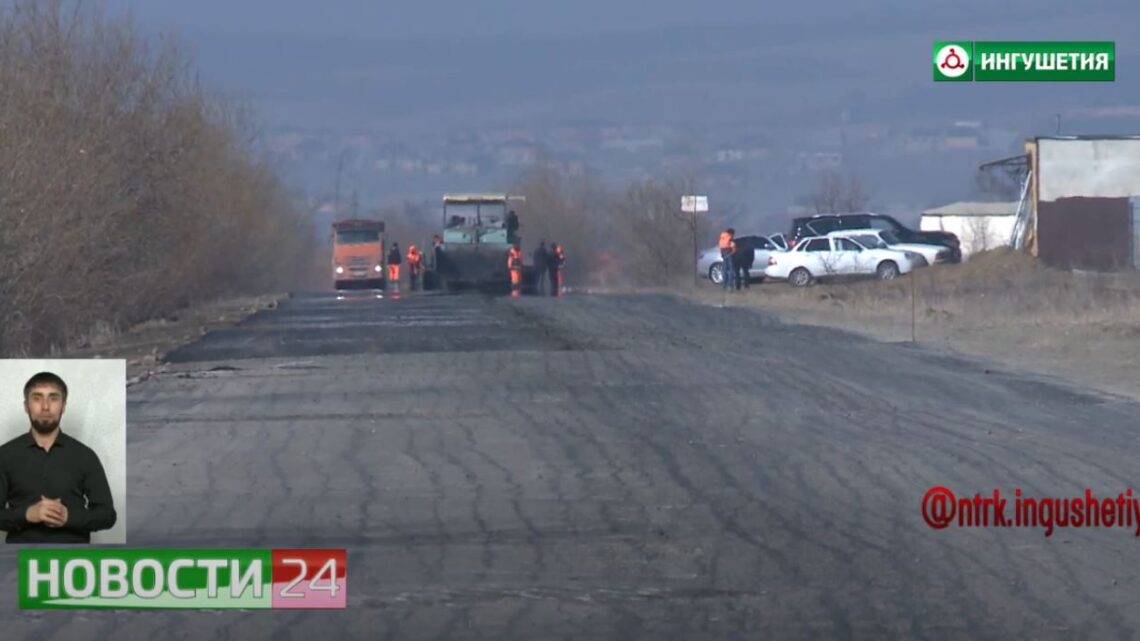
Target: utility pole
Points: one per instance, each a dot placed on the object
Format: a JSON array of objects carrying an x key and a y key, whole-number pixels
[
  {"x": 693, "y": 223},
  {"x": 913, "y": 308},
  {"x": 336, "y": 196}
]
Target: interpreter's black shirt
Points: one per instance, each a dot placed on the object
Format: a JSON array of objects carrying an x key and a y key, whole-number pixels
[{"x": 70, "y": 472}]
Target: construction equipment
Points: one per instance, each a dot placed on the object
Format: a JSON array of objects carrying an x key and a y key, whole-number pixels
[
  {"x": 476, "y": 240},
  {"x": 358, "y": 254}
]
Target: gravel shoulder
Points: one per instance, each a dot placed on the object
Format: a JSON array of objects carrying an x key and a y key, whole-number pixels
[{"x": 1000, "y": 307}]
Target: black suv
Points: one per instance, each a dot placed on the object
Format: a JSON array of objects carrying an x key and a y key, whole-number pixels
[{"x": 822, "y": 224}]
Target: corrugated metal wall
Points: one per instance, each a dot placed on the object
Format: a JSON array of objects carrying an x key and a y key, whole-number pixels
[{"x": 1086, "y": 233}]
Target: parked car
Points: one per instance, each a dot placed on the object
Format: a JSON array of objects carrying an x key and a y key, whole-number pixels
[
  {"x": 882, "y": 239},
  {"x": 710, "y": 265},
  {"x": 823, "y": 224},
  {"x": 820, "y": 257}
]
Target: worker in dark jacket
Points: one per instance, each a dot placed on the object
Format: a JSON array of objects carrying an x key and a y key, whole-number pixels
[
  {"x": 540, "y": 267},
  {"x": 742, "y": 260},
  {"x": 512, "y": 225},
  {"x": 437, "y": 247}
]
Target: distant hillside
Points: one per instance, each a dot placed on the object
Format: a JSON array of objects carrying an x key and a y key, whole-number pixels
[{"x": 788, "y": 78}]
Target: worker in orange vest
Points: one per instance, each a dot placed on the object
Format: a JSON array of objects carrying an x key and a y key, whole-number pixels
[
  {"x": 394, "y": 265},
  {"x": 415, "y": 261},
  {"x": 555, "y": 262},
  {"x": 727, "y": 245},
  {"x": 514, "y": 265}
]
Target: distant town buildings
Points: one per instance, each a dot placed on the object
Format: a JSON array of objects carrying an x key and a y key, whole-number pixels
[{"x": 748, "y": 162}]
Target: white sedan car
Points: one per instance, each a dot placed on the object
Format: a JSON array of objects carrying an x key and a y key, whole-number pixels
[
  {"x": 711, "y": 266},
  {"x": 886, "y": 239},
  {"x": 823, "y": 257}
]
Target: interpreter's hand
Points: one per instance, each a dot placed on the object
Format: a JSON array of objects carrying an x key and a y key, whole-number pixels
[{"x": 50, "y": 512}]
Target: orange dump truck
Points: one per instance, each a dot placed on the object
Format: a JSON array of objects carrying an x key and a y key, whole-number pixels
[{"x": 358, "y": 254}]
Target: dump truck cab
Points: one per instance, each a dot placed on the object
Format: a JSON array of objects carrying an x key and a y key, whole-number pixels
[
  {"x": 358, "y": 254},
  {"x": 477, "y": 236}
]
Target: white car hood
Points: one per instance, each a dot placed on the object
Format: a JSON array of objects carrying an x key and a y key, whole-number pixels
[{"x": 916, "y": 248}]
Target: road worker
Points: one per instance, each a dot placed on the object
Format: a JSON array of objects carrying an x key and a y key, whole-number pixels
[
  {"x": 394, "y": 259},
  {"x": 540, "y": 264},
  {"x": 440, "y": 254},
  {"x": 742, "y": 260},
  {"x": 514, "y": 265},
  {"x": 512, "y": 225},
  {"x": 415, "y": 262},
  {"x": 555, "y": 262},
  {"x": 727, "y": 245}
]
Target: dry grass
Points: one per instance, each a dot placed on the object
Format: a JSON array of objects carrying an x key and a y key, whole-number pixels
[
  {"x": 126, "y": 190},
  {"x": 144, "y": 345},
  {"x": 993, "y": 287}
]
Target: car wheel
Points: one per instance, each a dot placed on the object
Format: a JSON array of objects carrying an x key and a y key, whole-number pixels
[
  {"x": 799, "y": 277},
  {"x": 716, "y": 273},
  {"x": 887, "y": 270}
]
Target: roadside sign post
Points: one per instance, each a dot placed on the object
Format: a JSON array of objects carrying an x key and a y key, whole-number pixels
[
  {"x": 913, "y": 307},
  {"x": 695, "y": 205}
]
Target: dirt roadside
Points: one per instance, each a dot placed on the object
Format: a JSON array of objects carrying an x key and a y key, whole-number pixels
[
  {"x": 143, "y": 346},
  {"x": 1004, "y": 308}
]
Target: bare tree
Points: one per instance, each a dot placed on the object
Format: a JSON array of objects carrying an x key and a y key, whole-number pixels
[
  {"x": 657, "y": 234},
  {"x": 980, "y": 234},
  {"x": 834, "y": 195},
  {"x": 569, "y": 205},
  {"x": 126, "y": 190},
  {"x": 991, "y": 185}
]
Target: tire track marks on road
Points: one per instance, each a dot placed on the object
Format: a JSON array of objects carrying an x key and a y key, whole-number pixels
[{"x": 517, "y": 494}]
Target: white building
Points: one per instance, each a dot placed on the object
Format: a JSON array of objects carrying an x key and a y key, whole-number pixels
[{"x": 978, "y": 225}]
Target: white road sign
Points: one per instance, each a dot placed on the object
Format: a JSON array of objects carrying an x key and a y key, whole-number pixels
[{"x": 694, "y": 204}]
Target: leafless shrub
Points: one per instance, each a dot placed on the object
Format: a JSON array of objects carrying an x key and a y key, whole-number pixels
[
  {"x": 614, "y": 236},
  {"x": 834, "y": 195},
  {"x": 125, "y": 190},
  {"x": 994, "y": 185},
  {"x": 659, "y": 236},
  {"x": 411, "y": 223},
  {"x": 980, "y": 234},
  {"x": 572, "y": 207}
]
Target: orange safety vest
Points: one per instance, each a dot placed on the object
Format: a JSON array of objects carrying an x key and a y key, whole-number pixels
[
  {"x": 413, "y": 255},
  {"x": 726, "y": 243},
  {"x": 514, "y": 259}
]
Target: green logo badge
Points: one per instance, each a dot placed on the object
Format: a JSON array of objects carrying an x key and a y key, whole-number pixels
[{"x": 953, "y": 60}]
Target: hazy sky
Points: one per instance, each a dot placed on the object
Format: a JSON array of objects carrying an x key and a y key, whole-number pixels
[
  {"x": 412, "y": 18},
  {"x": 417, "y": 18}
]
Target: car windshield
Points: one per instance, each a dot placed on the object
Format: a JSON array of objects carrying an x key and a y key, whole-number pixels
[
  {"x": 463, "y": 214},
  {"x": 357, "y": 236},
  {"x": 889, "y": 237},
  {"x": 870, "y": 241}
]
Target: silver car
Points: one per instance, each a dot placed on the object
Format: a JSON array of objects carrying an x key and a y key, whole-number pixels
[{"x": 710, "y": 265}]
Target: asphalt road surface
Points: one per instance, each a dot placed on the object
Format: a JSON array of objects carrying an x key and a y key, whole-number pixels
[{"x": 616, "y": 468}]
